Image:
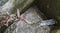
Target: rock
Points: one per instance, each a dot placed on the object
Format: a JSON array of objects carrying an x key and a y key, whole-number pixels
[
  {"x": 51, "y": 8},
  {"x": 30, "y": 22},
  {"x": 12, "y": 5}
]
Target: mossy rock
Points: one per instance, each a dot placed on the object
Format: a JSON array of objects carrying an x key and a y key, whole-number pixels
[
  {"x": 50, "y": 7},
  {"x": 23, "y": 5},
  {"x": 56, "y": 31}
]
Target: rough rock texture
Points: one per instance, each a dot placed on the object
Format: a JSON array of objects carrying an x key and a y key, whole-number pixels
[
  {"x": 33, "y": 28},
  {"x": 12, "y": 5},
  {"x": 51, "y": 9},
  {"x": 25, "y": 25},
  {"x": 2, "y": 2},
  {"x": 30, "y": 22}
]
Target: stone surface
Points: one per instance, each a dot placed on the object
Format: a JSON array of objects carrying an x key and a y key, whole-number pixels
[
  {"x": 51, "y": 9},
  {"x": 2, "y": 2},
  {"x": 32, "y": 25},
  {"x": 31, "y": 16},
  {"x": 34, "y": 28},
  {"x": 12, "y": 5}
]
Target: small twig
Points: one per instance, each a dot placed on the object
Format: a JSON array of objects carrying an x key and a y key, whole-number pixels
[
  {"x": 9, "y": 17},
  {"x": 18, "y": 13}
]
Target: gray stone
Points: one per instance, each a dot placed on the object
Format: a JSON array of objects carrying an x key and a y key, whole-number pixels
[
  {"x": 33, "y": 24},
  {"x": 30, "y": 22}
]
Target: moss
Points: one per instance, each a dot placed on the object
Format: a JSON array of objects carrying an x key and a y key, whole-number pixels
[
  {"x": 23, "y": 5},
  {"x": 51, "y": 8}
]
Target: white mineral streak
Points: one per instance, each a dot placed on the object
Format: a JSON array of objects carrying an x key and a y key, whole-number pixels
[
  {"x": 47, "y": 22},
  {"x": 23, "y": 27}
]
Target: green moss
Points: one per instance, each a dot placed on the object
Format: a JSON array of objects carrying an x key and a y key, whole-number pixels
[{"x": 22, "y": 5}]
